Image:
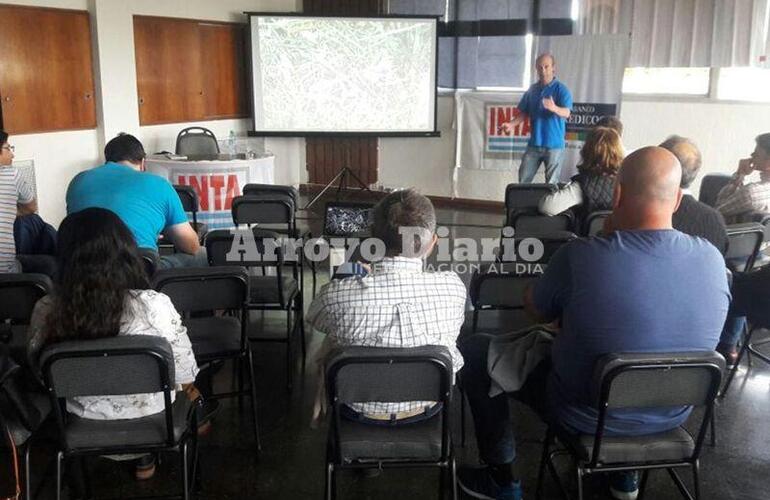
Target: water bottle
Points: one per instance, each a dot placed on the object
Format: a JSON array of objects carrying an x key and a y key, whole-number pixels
[{"x": 231, "y": 143}]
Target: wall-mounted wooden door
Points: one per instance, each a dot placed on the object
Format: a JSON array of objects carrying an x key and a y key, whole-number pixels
[{"x": 46, "y": 74}]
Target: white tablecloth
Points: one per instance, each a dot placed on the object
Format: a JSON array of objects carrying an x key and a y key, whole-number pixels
[{"x": 217, "y": 182}]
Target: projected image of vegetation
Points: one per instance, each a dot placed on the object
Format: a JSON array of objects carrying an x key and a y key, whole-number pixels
[{"x": 345, "y": 74}]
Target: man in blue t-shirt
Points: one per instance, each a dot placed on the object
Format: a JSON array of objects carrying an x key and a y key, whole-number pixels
[
  {"x": 147, "y": 203},
  {"x": 643, "y": 287},
  {"x": 547, "y": 104}
]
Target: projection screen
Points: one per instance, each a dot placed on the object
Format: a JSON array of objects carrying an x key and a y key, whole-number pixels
[{"x": 343, "y": 75}]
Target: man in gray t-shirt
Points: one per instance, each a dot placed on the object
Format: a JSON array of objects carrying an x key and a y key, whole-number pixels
[{"x": 15, "y": 196}]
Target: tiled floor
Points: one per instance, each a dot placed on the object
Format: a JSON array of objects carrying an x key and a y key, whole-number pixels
[{"x": 292, "y": 463}]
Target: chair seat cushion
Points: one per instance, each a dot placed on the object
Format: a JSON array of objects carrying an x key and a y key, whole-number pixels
[
  {"x": 264, "y": 289},
  {"x": 367, "y": 442},
  {"x": 116, "y": 434},
  {"x": 676, "y": 444},
  {"x": 214, "y": 336}
]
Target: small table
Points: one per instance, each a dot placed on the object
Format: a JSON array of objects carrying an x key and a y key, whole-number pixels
[{"x": 217, "y": 181}]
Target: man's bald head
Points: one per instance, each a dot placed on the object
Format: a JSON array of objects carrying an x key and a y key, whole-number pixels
[{"x": 651, "y": 175}]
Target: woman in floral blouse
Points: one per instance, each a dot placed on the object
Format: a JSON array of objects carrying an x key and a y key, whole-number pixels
[{"x": 102, "y": 291}]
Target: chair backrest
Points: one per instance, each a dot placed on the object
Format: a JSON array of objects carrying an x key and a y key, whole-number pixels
[
  {"x": 196, "y": 141},
  {"x": 19, "y": 293},
  {"x": 150, "y": 259},
  {"x": 710, "y": 186},
  {"x": 743, "y": 243},
  {"x": 656, "y": 380},
  {"x": 204, "y": 289},
  {"x": 264, "y": 209},
  {"x": 363, "y": 374},
  {"x": 524, "y": 197},
  {"x": 500, "y": 287},
  {"x": 114, "y": 366},
  {"x": 532, "y": 222},
  {"x": 225, "y": 248},
  {"x": 595, "y": 222},
  {"x": 270, "y": 189},
  {"x": 553, "y": 240},
  {"x": 189, "y": 198}
]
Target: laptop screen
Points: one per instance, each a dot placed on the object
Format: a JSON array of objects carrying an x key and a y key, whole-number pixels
[{"x": 348, "y": 219}]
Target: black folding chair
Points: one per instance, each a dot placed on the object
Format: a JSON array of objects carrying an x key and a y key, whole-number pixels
[
  {"x": 18, "y": 295},
  {"x": 744, "y": 241},
  {"x": 216, "y": 338},
  {"x": 594, "y": 223},
  {"x": 190, "y": 203},
  {"x": 196, "y": 141},
  {"x": 123, "y": 365},
  {"x": 364, "y": 374},
  {"x": 646, "y": 380},
  {"x": 274, "y": 208},
  {"x": 267, "y": 293},
  {"x": 524, "y": 197},
  {"x": 710, "y": 186},
  {"x": 500, "y": 287},
  {"x": 533, "y": 222},
  {"x": 22, "y": 412}
]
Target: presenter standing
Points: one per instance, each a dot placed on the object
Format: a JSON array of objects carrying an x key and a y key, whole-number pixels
[{"x": 548, "y": 104}]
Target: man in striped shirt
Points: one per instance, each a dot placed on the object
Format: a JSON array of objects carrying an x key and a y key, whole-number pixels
[
  {"x": 16, "y": 196},
  {"x": 737, "y": 198}
]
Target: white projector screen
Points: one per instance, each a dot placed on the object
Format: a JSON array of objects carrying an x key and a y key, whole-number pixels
[{"x": 349, "y": 75}]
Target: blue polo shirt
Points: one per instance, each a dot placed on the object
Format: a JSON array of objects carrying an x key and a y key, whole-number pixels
[
  {"x": 145, "y": 202},
  {"x": 632, "y": 291},
  {"x": 547, "y": 128}
]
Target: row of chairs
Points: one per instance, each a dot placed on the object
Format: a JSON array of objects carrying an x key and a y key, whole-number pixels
[{"x": 137, "y": 364}]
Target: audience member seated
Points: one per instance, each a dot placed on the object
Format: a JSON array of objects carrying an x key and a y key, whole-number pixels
[
  {"x": 642, "y": 287},
  {"x": 146, "y": 203},
  {"x": 591, "y": 188},
  {"x": 101, "y": 290},
  {"x": 397, "y": 304},
  {"x": 751, "y": 297},
  {"x": 16, "y": 196},
  {"x": 693, "y": 217},
  {"x": 611, "y": 122},
  {"x": 737, "y": 198}
]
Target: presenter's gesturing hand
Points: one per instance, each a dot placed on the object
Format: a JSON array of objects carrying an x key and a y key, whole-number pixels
[{"x": 508, "y": 127}]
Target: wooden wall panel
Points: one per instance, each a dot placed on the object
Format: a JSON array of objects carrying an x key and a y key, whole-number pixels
[
  {"x": 169, "y": 76},
  {"x": 46, "y": 73},
  {"x": 223, "y": 64},
  {"x": 189, "y": 70},
  {"x": 327, "y": 155}
]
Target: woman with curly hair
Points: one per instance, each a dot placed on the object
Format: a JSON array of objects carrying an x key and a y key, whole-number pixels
[
  {"x": 591, "y": 189},
  {"x": 101, "y": 290}
]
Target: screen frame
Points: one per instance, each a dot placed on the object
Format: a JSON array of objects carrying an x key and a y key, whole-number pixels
[{"x": 262, "y": 133}]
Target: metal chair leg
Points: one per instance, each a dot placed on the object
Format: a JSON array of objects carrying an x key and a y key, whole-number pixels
[
  {"x": 462, "y": 416},
  {"x": 330, "y": 484},
  {"x": 255, "y": 414},
  {"x": 27, "y": 479},
  {"x": 643, "y": 484},
  {"x": 696, "y": 480},
  {"x": 454, "y": 479},
  {"x": 744, "y": 350},
  {"x": 59, "y": 459},
  {"x": 543, "y": 461},
  {"x": 713, "y": 425},
  {"x": 185, "y": 471},
  {"x": 289, "y": 371},
  {"x": 579, "y": 472}
]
